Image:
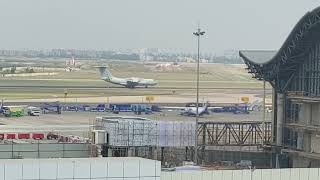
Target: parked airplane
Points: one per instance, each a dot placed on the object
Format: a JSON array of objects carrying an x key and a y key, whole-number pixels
[
  {"x": 192, "y": 111},
  {"x": 131, "y": 82}
]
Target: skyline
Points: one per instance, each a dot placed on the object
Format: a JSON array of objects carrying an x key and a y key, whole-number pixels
[{"x": 123, "y": 24}]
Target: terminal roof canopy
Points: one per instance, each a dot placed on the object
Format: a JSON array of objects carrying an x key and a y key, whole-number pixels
[
  {"x": 258, "y": 57},
  {"x": 272, "y": 65}
]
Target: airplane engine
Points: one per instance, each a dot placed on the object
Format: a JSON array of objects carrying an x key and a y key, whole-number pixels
[{"x": 132, "y": 84}]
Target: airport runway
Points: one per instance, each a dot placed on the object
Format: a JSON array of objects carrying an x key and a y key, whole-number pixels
[{"x": 119, "y": 87}]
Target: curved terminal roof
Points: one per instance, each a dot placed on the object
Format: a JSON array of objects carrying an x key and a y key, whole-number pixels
[
  {"x": 259, "y": 57},
  {"x": 268, "y": 64}
]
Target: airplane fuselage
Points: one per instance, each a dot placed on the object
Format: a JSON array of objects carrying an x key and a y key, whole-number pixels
[
  {"x": 127, "y": 82},
  {"x": 192, "y": 111},
  {"x": 131, "y": 82}
]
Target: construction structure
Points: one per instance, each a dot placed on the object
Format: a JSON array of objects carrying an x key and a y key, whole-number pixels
[
  {"x": 174, "y": 141},
  {"x": 131, "y": 136},
  {"x": 294, "y": 74}
]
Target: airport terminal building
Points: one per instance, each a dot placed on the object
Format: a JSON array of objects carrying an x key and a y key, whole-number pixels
[{"x": 294, "y": 73}]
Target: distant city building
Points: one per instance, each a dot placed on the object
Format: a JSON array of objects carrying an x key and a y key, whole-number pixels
[
  {"x": 148, "y": 54},
  {"x": 190, "y": 60},
  {"x": 144, "y": 54},
  {"x": 70, "y": 64}
]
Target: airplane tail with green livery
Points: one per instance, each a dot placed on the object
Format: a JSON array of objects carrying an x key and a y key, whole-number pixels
[
  {"x": 131, "y": 82},
  {"x": 104, "y": 73}
]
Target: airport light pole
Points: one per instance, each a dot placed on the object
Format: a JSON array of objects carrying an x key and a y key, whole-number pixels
[
  {"x": 198, "y": 34},
  {"x": 264, "y": 114}
]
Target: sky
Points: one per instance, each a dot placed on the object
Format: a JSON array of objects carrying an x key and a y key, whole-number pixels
[{"x": 122, "y": 24}]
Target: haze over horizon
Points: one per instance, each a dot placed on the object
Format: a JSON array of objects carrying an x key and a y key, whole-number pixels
[{"x": 84, "y": 24}]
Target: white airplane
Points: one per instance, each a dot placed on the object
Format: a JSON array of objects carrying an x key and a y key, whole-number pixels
[
  {"x": 131, "y": 82},
  {"x": 192, "y": 111}
]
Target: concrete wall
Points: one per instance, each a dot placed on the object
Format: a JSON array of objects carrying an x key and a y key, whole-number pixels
[
  {"x": 258, "y": 159},
  {"x": 305, "y": 114},
  {"x": 11, "y": 151},
  {"x": 258, "y": 174},
  {"x": 304, "y": 142},
  {"x": 309, "y": 115},
  {"x": 307, "y": 141},
  {"x": 300, "y": 162},
  {"x": 80, "y": 168}
]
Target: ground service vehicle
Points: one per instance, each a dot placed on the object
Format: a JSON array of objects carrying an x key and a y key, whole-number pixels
[
  {"x": 10, "y": 111},
  {"x": 34, "y": 111}
]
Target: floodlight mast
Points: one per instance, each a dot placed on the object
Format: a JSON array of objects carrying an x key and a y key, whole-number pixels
[{"x": 198, "y": 34}]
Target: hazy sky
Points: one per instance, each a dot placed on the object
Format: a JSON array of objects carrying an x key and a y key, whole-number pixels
[{"x": 105, "y": 24}]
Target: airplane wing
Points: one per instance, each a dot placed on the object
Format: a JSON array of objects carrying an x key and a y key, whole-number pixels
[
  {"x": 213, "y": 108},
  {"x": 173, "y": 108}
]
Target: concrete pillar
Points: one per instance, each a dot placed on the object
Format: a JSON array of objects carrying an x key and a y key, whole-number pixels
[
  {"x": 274, "y": 116},
  {"x": 155, "y": 153},
  {"x": 186, "y": 155},
  {"x": 315, "y": 143},
  {"x": 305, "y": 118},
  {"x": 150, "y": 153},
  {"x": 162, "y": 155},
  {"x": 300, "y": 141},
  {"x": 277, "y": 161},
  {"x": 280, "y": 118},
  {"x": 315, "y": 114},
  {"x": 307, "y": 142},
  {"x": 304, "y": 141},
  {"x": 301, "y": 115},
  {"x": 110, "y": 152},
  {"x": 98, "y": 149},
  {"x": 131, "y": 152},
  {"x": 307, "y": 113}
]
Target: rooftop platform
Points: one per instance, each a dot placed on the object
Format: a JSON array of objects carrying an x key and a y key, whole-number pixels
[
  {"x": 309, "y": 155},
  {"x": 302, "y": 97},
  {"x": 303, "y": 127}
]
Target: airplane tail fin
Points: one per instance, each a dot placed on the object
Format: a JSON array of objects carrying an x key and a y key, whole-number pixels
[
  {"x": 206, "y": 105},
  {"x": 204, "y": 109},
  {"x": 104, "y": 72}
]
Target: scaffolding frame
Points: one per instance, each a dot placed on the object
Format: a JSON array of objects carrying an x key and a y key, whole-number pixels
[{"x": 138, "y": 132}]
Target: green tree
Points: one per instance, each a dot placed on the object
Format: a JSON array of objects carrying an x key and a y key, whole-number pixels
[
  {"x": 13, "y": 70},
  {"x": 29, "y": 70}
]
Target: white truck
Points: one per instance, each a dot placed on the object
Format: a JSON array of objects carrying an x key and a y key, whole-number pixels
[{"x": 34, "y": 111}]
